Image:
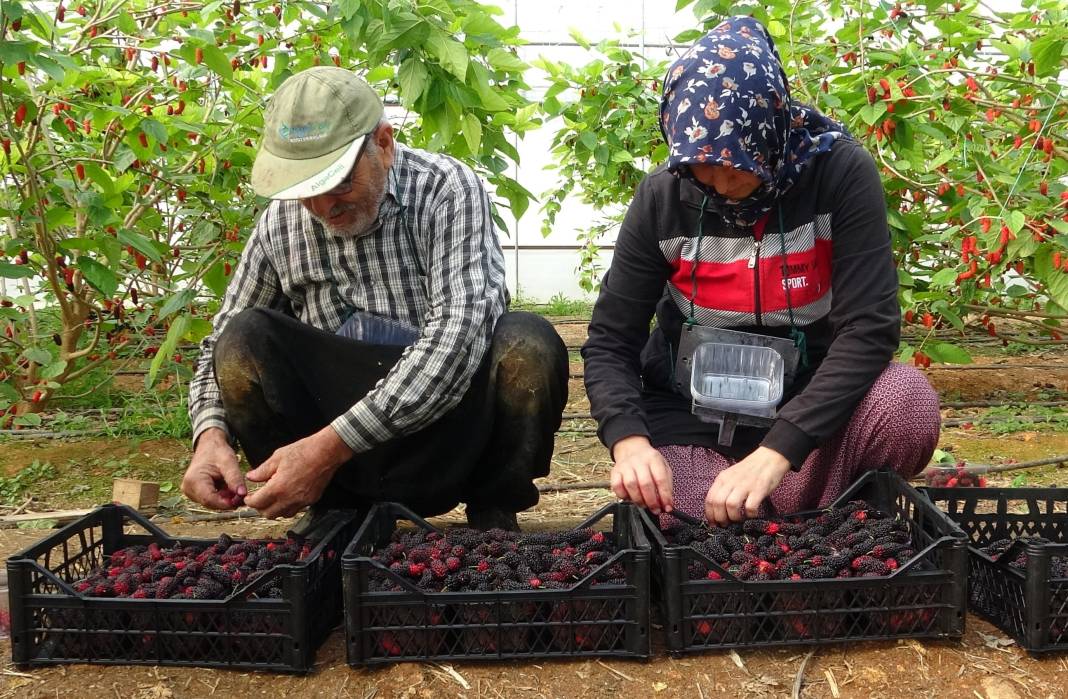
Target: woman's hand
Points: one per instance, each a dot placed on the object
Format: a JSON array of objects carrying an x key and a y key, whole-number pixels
[
  {"x": 641, "y": 475},
  {"x": 738, "y": 491}
]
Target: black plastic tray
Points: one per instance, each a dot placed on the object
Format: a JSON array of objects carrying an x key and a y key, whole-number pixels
[
  {"x": 1030, "y": 604},
  {"x": 587, "y": 619},
  {"x": 51, "y": 623},
  {"x": 923, "y": 598}
]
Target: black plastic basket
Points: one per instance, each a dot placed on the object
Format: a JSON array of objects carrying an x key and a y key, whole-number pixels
[
  {"x": 925, "y": 597},
  {"x": 1030, "y": 605},
  {"x": 588, "y": 619},
  {"x": 52, "y": 623}
]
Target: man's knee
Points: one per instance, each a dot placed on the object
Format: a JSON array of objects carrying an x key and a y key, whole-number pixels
[
  {"x": 237, "y": 352},
  {"x": 530, "y": 359}
]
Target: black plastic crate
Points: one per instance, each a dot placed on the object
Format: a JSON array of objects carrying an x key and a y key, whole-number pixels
[
  {"x": 923, "y": 598},
  {"x": 52, "y": 623},
  {"x": 588, "y": 619},
  {"x": 1031, "y": 605}
]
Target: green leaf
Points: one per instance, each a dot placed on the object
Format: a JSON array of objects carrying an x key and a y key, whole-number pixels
[
  {"x": 10, "y": 271},
  {"x": 491, "y": 100},
  {"x": 1021, "y": 246},
  {"x": 578, "y": 38},
  {"x": 215, "y": 59},
  {"x": 379, "y": 74},
  {"x": 124, "y": 157},
  {"x": 176, "y": 302},
  {"x": 30, "y": 420},
  {"x": 943, "y": 457},
  {"x": 450, "y": 53},
  {"x": 472, "y": 130},
  {"x": 49, "y": 66},
  {"x": 944, "y": 278},
  {"x": 53, "y": 370},
  {"x": 871, "y": 113},
  {"x": 166, "y": 350},
  {"x": 413, "y": 79},
  {"x": 1015, "y": 221},
  {"x": 353, "y": 28},
  {"x": 1056, "y": 283},
  {"x": 198, "y": 329},
  {"x": 405, "y": 30},
  {"x": 946, "y": 353},
  {"x": 140, "y": 243},
  {"x": 156, "y": 130},
  {"x": 38, "y": 356},
  {"x": 776, "y": 29},
  {"x": 100, "y": 277},
  {"x": 215, "y": 278},
  {"x": 622, "y": 156},
  {"x": 12, "y": 52},
  {"x": 8, "y": 392},
  {"x": 126, "y": 23},
  {"x": 101, "y": 178},
  {"x": 1047, "y": 53},
  {"x": 502, "y": 59}
]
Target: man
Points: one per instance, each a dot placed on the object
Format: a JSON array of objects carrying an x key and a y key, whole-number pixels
[{"x": 363, "y": 350}]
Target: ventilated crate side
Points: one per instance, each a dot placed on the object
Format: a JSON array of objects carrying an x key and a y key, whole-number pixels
[
  {"x": 1031, "y": 605},
  {"x": 52, "y": 623},
  {"x": 587, "y": 619},
  {"x": 924, "y": 598}
]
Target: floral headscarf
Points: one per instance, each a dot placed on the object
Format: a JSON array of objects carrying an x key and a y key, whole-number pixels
[{"x": 726, "y": 102}]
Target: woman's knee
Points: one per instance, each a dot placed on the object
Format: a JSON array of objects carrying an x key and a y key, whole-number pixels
[
  {"x": 910, "y": 418},
  {"x": 904, "y": 392}
]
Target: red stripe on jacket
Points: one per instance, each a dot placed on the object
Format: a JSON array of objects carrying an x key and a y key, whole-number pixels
[{"x": 728, "y": 286}]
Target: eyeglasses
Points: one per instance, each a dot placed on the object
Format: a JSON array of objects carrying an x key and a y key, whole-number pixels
[{"x": 346, "y": 184}]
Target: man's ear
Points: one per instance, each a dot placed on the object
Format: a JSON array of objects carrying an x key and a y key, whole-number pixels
[{"x": 383, "y": 136}]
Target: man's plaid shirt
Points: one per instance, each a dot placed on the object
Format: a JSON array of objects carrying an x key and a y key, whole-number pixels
[{"x": 434, "y": 262}]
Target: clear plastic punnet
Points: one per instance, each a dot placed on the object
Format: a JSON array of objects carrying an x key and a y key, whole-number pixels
[{"x": 743, "y": 379}]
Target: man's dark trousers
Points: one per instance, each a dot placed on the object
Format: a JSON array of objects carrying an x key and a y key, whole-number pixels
[{"x": 282, "y": 380}]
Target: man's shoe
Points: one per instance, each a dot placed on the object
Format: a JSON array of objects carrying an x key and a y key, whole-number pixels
[
  {"x": 315, "y": 519},
  {"x": 492, "y": 518}
]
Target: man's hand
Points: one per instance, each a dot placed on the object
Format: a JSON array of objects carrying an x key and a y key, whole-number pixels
[
  {"x": 213, "y": 478},
  {"x": 641, "y": 475},
  {"x": 738, "y": 491},
  {"x": 297, "y": 474}
]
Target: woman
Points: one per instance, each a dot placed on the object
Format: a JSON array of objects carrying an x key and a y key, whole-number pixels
[{"x": 767, "y": 218}]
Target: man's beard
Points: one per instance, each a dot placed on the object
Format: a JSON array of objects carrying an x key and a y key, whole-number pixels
[{"x": 366, "y": 210}]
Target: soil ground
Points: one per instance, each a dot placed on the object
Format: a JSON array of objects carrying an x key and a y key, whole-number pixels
[{"x": 983, "y": 664}]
